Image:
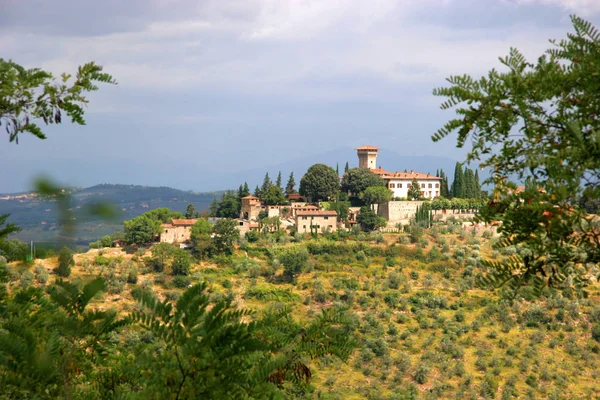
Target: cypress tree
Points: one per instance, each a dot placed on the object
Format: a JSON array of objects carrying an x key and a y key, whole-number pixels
[
  {"x": 458, "y": 186},
  {"x": 346, "y": 168},
  {"x": 290, "y": 188},
  {"x": 246, "y": 190},
  {"x": 477, "y": 184},
  {"x": 257, "y": 191},
  {"x": 214, "y": 206},
  {"x": 469, "y": 180},
  {"x": 266, "y": 184},
  {"x": 337, "y": 168},
  {"x": 278, "y": 181}
]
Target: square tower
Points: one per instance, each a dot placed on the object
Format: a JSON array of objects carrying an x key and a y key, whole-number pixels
[{"x": 367, "y": 157}]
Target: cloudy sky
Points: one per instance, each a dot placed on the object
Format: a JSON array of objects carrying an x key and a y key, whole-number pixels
[{"x": 220, "y": 86}]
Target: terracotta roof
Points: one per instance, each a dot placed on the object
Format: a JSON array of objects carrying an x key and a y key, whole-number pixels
[
  {"x": 317, "y": 213},
  {"x": 404, "y": 175},
  {"x": 250, "y": 197},
  {"x": 367, "y": 147},
  {"x": 294, "y": 196},
  {"x": 183, "y": 222}
]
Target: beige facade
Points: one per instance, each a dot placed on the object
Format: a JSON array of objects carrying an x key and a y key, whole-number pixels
[
  {"x": 367, "y": 157},
  {"x": 318, "y": 220},
  {"x": 178, "y": 231},
  {"x": 251, "y": 207}
]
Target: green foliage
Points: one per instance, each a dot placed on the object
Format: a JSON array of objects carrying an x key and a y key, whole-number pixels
[
  {"x": 65, "y": 261},
  {"x": 414, "y": 191},
  {"x": 557, "y": 152},
  {"x": 319, "y": 183},
  {"x": 228, "y": 207},
  {"x": 294, "y": 261},
  {"x": 200, "y": 239},
  {"x": 181, "y": 262},
  {"x": 30, "y": 94},
  {"x": 226, "y": 234},
  {"x": 14, "y": 250},
  {"x": 273, "y": 195},
  {"x": 376, "y": 195},
  {"x": 357, "y": 180},
  {"x": 369, "y": 220},
  {"x": 290, "y": 187}
]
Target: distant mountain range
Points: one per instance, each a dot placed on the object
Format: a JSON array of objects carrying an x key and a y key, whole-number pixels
[{"x": 38, "y": 218}]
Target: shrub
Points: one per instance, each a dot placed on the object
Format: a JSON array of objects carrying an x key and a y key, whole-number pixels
[
  {"x": 65, "y": 261},
  {"x": 181, "y": 263},
  {"x": 27, "y": 278},
  {"x": 41, "y": 274},
  {"x": 596, "y": 332},
  {"x": 294, "y": 260},
  {"x": 420, "y": 374},
  {"x": 132, "y": 275},
  {"x": 181, "y": 281}
]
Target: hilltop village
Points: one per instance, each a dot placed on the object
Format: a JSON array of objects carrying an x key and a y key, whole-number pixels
[{"x": 387, "y": 199}]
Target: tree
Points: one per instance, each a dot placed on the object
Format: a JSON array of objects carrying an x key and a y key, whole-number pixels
[
  {"x": 8, "y": 227},
  {"x": 356, "y": 180},
  {"x": 65, "y": 261},
  {"x": 369, "y": 220},
  {"x": 319, "y": 183},
  {"x": 228, "y": 206},
  {"x": 477, "y": 184},
  {"x": 200, "y": 239},
  {"x": 141, "y": 230},
  {"x": 458, "y": 185},
  {"x": 414, "y": 191},
  {"x": 257, "y": 191},
  {"x": 290, "y": 187},
  {"x": 265, "y": 185},
  {"x": 226, "y": 234},
  {"x": 537, "y": 121},
  {"x": 213, "y": 208},
  {"x": 14, "y": 250},
  {"x": 278, "y": 181},
  {"x": 346, "y": 167},
  {"x": 294, "y": 261},
  {"x": 181, "y": 262},
  {"x": 444, "y": 191},
  {"x": 27, "y": 95},
  {"x": 190, "y": 211},
  {"x": 273, "y": 195},
  {"x": 469, "y": 184},
  {"x": 376, "y": 195}
]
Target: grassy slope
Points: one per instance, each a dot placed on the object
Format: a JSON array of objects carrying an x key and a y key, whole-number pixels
[{"x": 421, "y": 312}]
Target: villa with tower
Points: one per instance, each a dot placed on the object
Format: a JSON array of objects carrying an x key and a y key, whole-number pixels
[{"x": 398, "y": 182}]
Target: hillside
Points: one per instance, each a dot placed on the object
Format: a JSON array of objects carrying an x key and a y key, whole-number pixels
[
  {"x": 38, "y": 218},
  {"x": 422, "y": 327}
]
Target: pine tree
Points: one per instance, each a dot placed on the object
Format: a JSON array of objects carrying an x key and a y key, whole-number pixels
[
  {"x": 266, "y": 184},
  {"x": 190, "y": 211},
  {"x": 257, "y": 191},
  {"x": 240, "y": 194},
  {"x": 337, "y": 168},
  {"x": 214, "y": 206},
  {"x": 290, "y": 188},
  {"x": 278, "y": 181},
  {"x": 347, "y": 167},
  {"x": 414, "y": 192},
  {"x": 458, "y": 186},
  {"x": 444, "y": 191},
  {"x": 245, "y": 190}
]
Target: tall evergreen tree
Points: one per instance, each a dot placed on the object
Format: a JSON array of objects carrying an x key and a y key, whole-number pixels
[
  {"x": 347, "y": 167},
  {"x": 458, "y": 186},
  {"x": 477, "y": 184},
  {"x": 190, "y": 211},
  {"x": 278, "y": 181},
  {"x": 290, "y": 188},
  {"x": 469, "y": 180},
  {"x": 266, "y": 184},
  {"x": 337, "y": 168},
  {"x": 245, "y": 190},
  {"x": 240, "y": 194},
  {"x": 257, "y": 191},
  {"x": 414, "y": 192},
  {"x": 444, "y": 190},
  {"x": 213, "y": 208}
]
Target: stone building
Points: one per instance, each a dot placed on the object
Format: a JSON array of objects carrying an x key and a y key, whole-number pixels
[
  {"x": 398, "y": 182},
  {"x": 319, "y": 220},
  {"x": 178, "y": 231},
  {"x": 251, "y": 207}
]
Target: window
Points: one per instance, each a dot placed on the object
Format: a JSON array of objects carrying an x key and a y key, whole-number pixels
[
  {"x": 325, "y": 217},
  {"x": 392, "y": 185},
  {"x": 408, "y": 185},
  {"x": 304, "y": 217},
  {"x": 437, "y": 193},
  {"x": 400, "y": 185},
  {"x": 437, "y": 185},
  {"x": 430, "y": 186},
  {"x": 422, "y": 194},
  {"x": 330, "y": 226},
  {"x": 423, "y": 185},
  {"x": 304, "y": 226}
]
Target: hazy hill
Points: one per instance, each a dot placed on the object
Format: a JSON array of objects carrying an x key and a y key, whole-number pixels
[{"x": 38, "y": 218}]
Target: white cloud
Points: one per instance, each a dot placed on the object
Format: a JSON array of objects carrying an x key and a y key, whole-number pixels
[{"x": 586, "y": 8}]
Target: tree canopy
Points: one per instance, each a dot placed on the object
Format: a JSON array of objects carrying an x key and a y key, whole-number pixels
[
  {"x": 356, "y": 180},
  {"x": 319, "y": 183},
  {"x": 537, "y": 122},
  {"x": 376, "y": 195}
]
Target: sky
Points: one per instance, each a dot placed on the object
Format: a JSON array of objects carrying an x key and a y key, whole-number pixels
[{"x": 216, "y": 87}]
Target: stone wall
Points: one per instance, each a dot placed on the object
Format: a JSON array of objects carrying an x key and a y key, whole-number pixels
[
  {"x": 176, "y": 234},
  {"x": 398, "y": 210}
]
